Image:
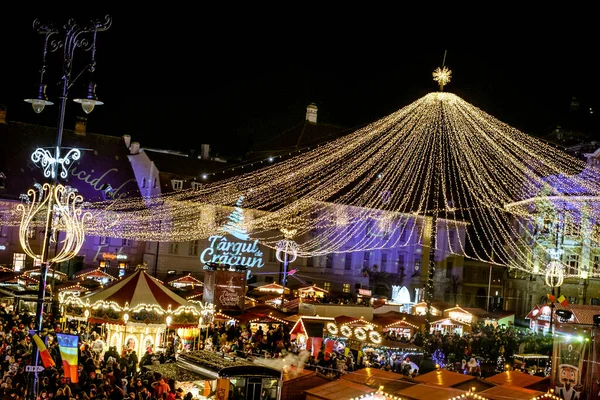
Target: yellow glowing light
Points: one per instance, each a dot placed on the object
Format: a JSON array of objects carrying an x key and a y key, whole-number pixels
[{"x": 442, "y": 76}]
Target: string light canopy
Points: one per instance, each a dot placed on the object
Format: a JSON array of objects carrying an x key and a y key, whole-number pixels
[{"x": 381, "y": 186}]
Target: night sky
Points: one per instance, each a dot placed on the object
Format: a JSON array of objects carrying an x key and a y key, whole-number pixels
[{"x": 177, "y": 79}]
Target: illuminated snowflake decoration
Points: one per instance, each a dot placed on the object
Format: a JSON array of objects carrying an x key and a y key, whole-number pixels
[{"x": 442, "y": 76}]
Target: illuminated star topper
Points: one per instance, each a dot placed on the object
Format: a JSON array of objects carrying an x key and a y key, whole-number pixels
[{"x": 442, "y": 76}]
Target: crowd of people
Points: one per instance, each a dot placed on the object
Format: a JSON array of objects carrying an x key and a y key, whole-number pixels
[{"x": 118, "y": 374}]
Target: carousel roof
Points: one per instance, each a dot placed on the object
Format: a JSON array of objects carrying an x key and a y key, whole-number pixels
[{"x": 137, "y": 289}]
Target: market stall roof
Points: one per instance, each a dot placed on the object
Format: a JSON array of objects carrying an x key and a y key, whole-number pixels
[
  {"x": 311, "y": 326},
  {"x": 444, "y": 378},
  {"x": 502, "y": 392},
  {"x": 71, "y": 287},
  {"x": 462, "y": 310},
  {"x": 271, "y": 288},
  {"x": 516, "y": 378},
  {"x": 219, "y": 316},
  {"x": 449, "y": 322},
  {"x": 186, "y": 280},
  {"x": 353, "y": 321},
  {"x": 94, "y": 273},
  {"x": 312, "y": 288},
  {"x": 338, "y": 390},
  {"x": 16, "y": 277},
  {"x": 376, "y": 378},
  {"x": 438, "y": 305},
  {"x": 35, "y": 272},
  {"x": 137, "y": 289},
  {"x": 582, "y": 313},
  {"x": 429, "y": 392}
]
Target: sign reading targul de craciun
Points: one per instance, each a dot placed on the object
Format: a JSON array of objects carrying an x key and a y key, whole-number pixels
[{"x": 241, "y": 250}]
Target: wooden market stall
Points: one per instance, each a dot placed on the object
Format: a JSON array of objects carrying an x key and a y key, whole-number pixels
[
  {"x": 338, "y": 390},
  {"x": 185, "y": 282},
  {"x": 437, "y": 308},
  {"x": 95, "y": 274},
  {"x": 308, "y": 331},
  {"x": 430, "y": 391},
  {"x": 312, "y": 292},
  {"x": 449, "y": 325},
  {"x": 136, "y": 311},
  {"x": 521, "y": 379},
  {"x": 376, "y": 378},
  {"x": 502, "y": 392}
]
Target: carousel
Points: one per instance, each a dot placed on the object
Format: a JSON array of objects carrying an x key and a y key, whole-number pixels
[{"x": 136, "y": 312}]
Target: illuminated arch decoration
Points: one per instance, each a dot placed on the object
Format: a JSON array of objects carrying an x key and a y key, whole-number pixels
[
  {"x": 375, "y": 337},
  {"x": 360, "y": 334},
  {"x": 332, "y": 328},
  {"x": 346, "y": 331}
]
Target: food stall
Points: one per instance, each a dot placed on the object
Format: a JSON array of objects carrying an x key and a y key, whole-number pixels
[{"x": 312, "y": 292}]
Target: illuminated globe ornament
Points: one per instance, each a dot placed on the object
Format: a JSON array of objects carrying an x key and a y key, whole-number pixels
[
  {"x": 555, "y": 274},
  {"x": 287, "y": 251}
]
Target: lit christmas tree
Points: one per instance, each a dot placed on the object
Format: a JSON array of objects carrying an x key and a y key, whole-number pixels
[
  {"x": 235, "y": 222},
  {"x": 439, "y": 358},
  {"x": 500, "y": 361}
]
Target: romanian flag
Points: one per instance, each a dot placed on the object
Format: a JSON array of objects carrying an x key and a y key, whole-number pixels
[
  {"x": 551, "y": 298},
  {"x": 563, "y": 301},
  {"x": 44, "y": 353},
  {"x": 69, "y": 354}
]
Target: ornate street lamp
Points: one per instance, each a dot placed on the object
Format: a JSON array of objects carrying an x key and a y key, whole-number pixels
[
  {"x": 286, "y": 253},
  {"x": 58, "y": 206}
]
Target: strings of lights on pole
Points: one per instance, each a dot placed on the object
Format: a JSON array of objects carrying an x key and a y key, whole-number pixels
[{"x": 374, "y": 189}]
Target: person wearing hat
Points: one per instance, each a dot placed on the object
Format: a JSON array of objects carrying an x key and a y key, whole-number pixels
[
  {"x": 568, "y": 385},
  {"x": 473, "y": 367}
]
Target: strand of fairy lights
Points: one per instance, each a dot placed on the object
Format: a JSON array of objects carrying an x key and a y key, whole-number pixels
[{"x": 336, "y": 190}]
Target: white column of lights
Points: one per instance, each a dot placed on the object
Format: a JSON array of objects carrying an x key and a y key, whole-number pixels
[{"x": 488, "y": 172}]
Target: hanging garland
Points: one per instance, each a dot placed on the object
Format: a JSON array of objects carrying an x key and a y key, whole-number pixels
[
  {"x": 346, "y": 331},
  {"x": 375, "y": 337},
  {"x": 360, "y": 334},
  {"x": 332, "y": 328}
]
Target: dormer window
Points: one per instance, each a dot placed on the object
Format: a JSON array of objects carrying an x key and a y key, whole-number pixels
[
  {"x": 2, "y": 180},
  {"x": 177, "y": 184},
  {"x": 196, "y": 185}
]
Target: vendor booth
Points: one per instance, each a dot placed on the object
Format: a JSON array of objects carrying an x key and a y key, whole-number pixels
[
  {"x": 96, "y": 274},
  {"x": 309, "y": 332},
  {"x": 312, "y": 292},
  {"x": 271, "y": 288},
  {"x": 136, "y": 312},
  {"x": 185, "y": 282},
  {"x": 449, "y": 325},
  {"x": 437, "y": 308}
]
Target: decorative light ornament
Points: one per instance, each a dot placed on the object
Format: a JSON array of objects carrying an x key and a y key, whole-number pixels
[
  {"x": 375, "y": 337},
  {"x": 125, "y": 317},
  {"x": 555, "y": 274},
  {"x": 360, "y": 334},
  {"x": 287, "y": 251},
  {"x": 346, "y": 331},
  {"x": 59, "y": 209},
  {"x": 168, "y": 320},
  {"x": 442, "y": 76},
  {"x": 46, "y": 160},
  {"x": 332, "y": 328}
]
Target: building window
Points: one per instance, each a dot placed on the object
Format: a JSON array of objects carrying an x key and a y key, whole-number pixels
[
  {"x": 173, "y": 248},
  {"x": 19, "y": 261},
  {"x": 103, "y": 240},
  {"x": 105, "y": 265},
  {"x": 401, "y": 260},
  {"x": 272, "y": 255},
  {"x": 310, "y": 262},
  {"x": 367, "y": 259},
  {"x": 595, "y": 301},
  {"x": 417, "y": 263},
  {"x": 384, "y": 260},
  {"x": 177, "y": 184},
  {"x": 573, "y": 261},
  {"x": 196, "y": 185},
  {"x": 346, "y": 288},
  {"x": 127, "y": 242},
  {"x": 327, "y": 286},
  {"x": 329, "y": 261},
  {"x": 449, "y": 266},
  {"x": 193, "y": 249},
  {"x": 348, "y": 262}
]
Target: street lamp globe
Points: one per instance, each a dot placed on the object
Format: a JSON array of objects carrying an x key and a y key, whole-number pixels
[
  {"x": 40, "y": 100},
  {"x": 90, "y": 100}
]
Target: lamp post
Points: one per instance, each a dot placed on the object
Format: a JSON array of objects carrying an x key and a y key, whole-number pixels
[
  {"x": 58, "y": 205},
  {"x": 286, "y": 253}
]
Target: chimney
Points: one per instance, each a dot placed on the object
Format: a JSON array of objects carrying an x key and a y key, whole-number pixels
[
  {"x": 127, "y": 140},
  {"x": 2, "y": 114},
  {"x": 134, "y": 148},
  {"x": 205, "y": 151},
  {"x": 311, "y": 113},
  {"x": 80, "y": 125}
]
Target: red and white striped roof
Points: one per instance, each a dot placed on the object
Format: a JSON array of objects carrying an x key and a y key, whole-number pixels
[{"x": 137, "y": 289}]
